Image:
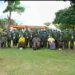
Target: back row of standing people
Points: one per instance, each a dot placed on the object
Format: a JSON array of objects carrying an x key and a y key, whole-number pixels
[{"x": 60, "y": 40}]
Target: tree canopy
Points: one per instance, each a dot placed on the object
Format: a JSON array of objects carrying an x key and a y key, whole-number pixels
[
  {"x": 65, "y": 18},
  {"x": 13, "y": 6},
  {"x": 4, "y": 23}
]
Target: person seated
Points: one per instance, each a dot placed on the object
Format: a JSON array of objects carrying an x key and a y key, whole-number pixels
[
  {"x": 51, "y": 43},
  {"x": 21, "y": 42},
  {"x": 36, "y": 42}
]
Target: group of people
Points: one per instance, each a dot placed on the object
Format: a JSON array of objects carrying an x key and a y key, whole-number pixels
[
  {"x": 34, "y": 42},
  {"x": 36, "y": 39}
]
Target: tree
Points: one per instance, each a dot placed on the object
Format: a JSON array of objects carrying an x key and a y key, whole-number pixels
[
  {"x": 65, "y": 18},
  {"x": 47, "y": 24},
  {"x": 4, "y": 23},
  {"x": 13, "y": 6}
]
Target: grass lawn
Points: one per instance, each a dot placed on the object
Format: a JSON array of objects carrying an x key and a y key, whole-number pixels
[{"x": 42, "y": 62}]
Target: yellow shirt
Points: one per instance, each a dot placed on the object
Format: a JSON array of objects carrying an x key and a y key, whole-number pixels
[
  {"x": 21, "y": 39},
  {"x": 51, "y": 39}
]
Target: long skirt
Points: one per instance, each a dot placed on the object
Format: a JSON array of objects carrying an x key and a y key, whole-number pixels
[
  {"x": 36, "y": 45},
  {"x": 51, "y": 45}
]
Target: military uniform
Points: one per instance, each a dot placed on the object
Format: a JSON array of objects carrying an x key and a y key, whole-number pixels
[
  {"x": 4, "y": 39},
  {"x": 30, "y": 40},
  {"x": 0, "y": 38},
  {"x": 9, "y": 39},
  {"x": 72, "y": 42}
]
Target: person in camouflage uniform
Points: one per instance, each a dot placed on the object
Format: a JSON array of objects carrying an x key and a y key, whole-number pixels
[
  {"x": 72, "y": 42},
  {"x": 41, "y": 35},
  {"x": 66, "y": 40},
  {"x": 61, "y": 42},
  {"x": 0, "y": 39},
  {"x": 30, "y": 40},
  {"x": 15, "y": 38},
  {"x": 4, "y": 39},
  {"x": 9, "y": 38},
  {"x": 56, "y": 39}
]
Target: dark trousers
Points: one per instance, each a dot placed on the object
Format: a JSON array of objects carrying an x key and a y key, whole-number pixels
[
  {"x": 3, "y": 44},
  {"x": 26, "y": 42},
  {"x": 66, "y": 44},
  {"x": 15, "y": 41},
  {"x": 71, "y": 44},
  {"x": 9, "y": 43},
  {"x": 56, "y": 44},
  {"x": 61, "y": 44}
]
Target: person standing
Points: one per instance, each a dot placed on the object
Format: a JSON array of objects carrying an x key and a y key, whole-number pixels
[
  {"x": 72, "y": 42},
  {"x": 30, "y": 40},
  {"x": 0, "y": 39},
  {"x": 9, "y": 39},
  {"x": 4, "y": 39}
]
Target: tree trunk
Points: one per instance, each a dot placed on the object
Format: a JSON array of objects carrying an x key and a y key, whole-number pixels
[{"x": 9, "y": 19}]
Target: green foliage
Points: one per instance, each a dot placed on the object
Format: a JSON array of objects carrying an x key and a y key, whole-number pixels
[
  {"x": 47, "y": 23},
  {"x": 65, "y": 18},
  {"x": 13, "y": 6},
  {"x": 4, "y": 23}
]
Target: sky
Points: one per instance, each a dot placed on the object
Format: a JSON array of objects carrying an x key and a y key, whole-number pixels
[{"x": 36, "y": 12}]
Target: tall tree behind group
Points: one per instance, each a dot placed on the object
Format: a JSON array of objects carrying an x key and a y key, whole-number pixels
[
  {"x": 65, "y": 18},
  {"x": 4, "y": 23},
  {"x": 13, "y": 6}
]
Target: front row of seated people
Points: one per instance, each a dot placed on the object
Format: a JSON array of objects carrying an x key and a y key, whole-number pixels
[
  {"x": 51, "y": 43},
  {"x": 36, "y": 42}
]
